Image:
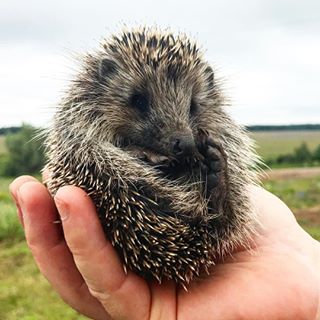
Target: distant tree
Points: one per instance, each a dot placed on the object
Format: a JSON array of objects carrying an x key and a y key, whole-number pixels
[
  {"x": 302, "y": 154},
  {"x": 316, "y": 154},
  {"x": 4, "y": 161},
  {"x": 8, "y": 130},
  {"x": 25, "y": 152},
  {"x": 285, "y": 158}
]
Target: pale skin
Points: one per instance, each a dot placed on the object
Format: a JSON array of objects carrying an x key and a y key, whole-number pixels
[{"x": 279, "y": 278}]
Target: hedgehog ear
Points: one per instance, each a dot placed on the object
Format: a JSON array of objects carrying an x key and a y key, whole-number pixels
[
  {"x": 210, "y": 76},
  {"x": 107, "y": 68}
]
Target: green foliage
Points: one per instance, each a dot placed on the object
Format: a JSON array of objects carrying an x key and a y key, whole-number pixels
[
  {"x": 10, "y": 228},
  {"x": 8, "y": 130},
  {"x": 4, "y": 163},
  {"x": 3, "y": 148},
  {"x": 316, "y": 154},
  {"x": 301, "y": 156},
  {"x": 25, "y": 152}
]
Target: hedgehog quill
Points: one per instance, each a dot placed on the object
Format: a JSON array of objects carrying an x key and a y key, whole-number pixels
[{"x": 144, "y": 131}]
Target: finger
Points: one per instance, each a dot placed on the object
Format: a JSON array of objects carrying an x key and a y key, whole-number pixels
[
  {"x": 97, "y": 260},
  {"x": 46, "y": 241},
  {"x": 164, "y": 298},
  {"x": 14, "y": 189},
  {"x": 18, "y": 182}
]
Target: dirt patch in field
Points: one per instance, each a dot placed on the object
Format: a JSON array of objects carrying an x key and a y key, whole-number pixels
[
  {"x": 310, "y": 215},
  {"x": 291, "y": 173}
]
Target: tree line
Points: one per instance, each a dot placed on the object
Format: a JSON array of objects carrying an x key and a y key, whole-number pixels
[
  {"x": 290, "y": 127},
  {"x": 8, "y": 130},
  {"x": 301, "y": 155}
]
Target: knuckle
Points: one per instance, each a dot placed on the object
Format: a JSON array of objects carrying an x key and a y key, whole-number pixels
[
  {"x": 33, "y": 243},
  {"x": 100, "y": 294},
  {"x": 78, "y": 251}
]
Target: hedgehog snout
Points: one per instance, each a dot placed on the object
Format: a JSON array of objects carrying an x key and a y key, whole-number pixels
[{"x": 182, "y": 144}]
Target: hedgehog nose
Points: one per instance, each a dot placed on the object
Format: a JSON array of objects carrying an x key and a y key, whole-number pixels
[{"x": 183, "y": 144}]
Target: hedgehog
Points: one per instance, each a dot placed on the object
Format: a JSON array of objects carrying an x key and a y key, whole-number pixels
[{"x": 143, "y": 130}]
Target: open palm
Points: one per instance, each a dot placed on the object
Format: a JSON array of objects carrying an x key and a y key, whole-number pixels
[{"x": 279, "y": 278}]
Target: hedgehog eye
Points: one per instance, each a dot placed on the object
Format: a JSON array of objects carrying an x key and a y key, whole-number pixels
[
  {"x": 193, "y": 107},
  {"x": 140, "y": 101}
]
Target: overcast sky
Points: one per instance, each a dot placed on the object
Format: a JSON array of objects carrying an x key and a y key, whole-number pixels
[{"x": 268, "y": 50}]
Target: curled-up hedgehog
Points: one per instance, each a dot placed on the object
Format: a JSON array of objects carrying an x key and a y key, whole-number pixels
[{"x": 143, "y": 130}]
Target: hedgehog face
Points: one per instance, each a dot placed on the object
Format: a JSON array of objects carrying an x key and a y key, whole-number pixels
[
  {"x": 163, "y": 112},
  {"x": 151, "y": 93}
]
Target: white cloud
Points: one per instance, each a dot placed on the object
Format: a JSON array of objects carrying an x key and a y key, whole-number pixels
[
  {"x": 31, "y": 83},
  {"x": 268, "y": 50}
]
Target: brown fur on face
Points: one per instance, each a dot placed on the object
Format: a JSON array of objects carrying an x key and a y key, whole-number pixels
[{"x": 119, "y": 123}]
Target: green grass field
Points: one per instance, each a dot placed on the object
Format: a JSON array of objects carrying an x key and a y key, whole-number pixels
[
  {"x": 296, "y": 193},
  {"x": 273, "y": 143},
  {"x": 10, "y": 229},
  {"x": 24, "y": 292}
]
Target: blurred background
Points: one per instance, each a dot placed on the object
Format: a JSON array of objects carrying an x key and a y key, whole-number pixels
[{"x": 267, "y": 52}]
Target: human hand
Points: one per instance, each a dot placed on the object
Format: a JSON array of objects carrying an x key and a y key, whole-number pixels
[{"x": 278, "y": 278}]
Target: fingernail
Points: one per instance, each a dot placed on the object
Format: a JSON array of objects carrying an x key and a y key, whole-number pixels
[
  {"x": 17, "y": 201},
  {"x": 15, "y": 198},
  {"x": 62, "y": 209}
]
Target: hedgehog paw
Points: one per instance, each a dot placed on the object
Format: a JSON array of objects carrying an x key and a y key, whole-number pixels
[{"x": 214, "y": 171}]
